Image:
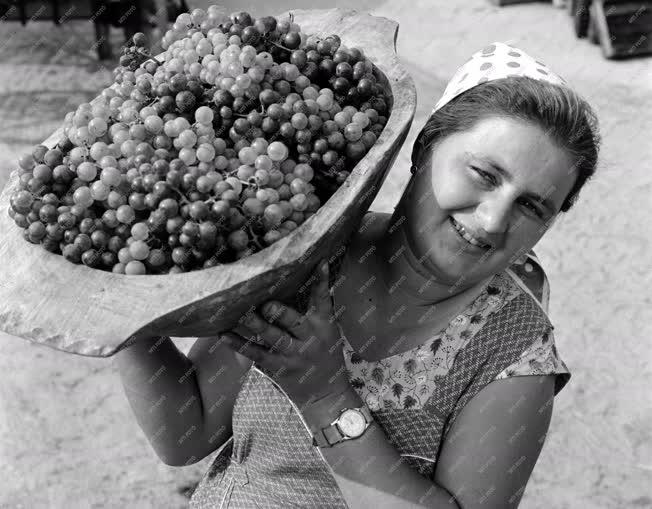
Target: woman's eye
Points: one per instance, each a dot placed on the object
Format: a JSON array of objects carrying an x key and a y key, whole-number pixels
[
  {"x": 485, "y": 175},
  {"x": 533, "y": 208},
  {"x": 489, "y": 178}
]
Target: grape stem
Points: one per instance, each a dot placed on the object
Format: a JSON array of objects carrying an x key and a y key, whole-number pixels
[
  {"x": 279, "y": 45},
  {"x": 184, "y": 200},
  {"x": 254, "y": 237}
]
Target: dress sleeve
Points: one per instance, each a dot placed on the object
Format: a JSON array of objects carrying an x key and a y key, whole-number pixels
[{"x": 541, "y": 358}]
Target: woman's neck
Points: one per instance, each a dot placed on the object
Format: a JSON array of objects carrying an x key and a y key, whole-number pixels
[{"x": 402, "y": 273}]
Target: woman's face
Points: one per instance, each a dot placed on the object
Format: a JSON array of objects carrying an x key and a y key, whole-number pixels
[{"x": 500, "y": 184}]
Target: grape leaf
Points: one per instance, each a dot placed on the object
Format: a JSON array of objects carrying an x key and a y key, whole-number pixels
[
  {"x": 389, "y": 403},
  {"x": 476, "y": 318},
  {"x": 357, "y": 383},
  {"x": 434, "y": 346},
  {"x": 409, "y": 402},
  {"x": 410, "y": 365},
  {"x": 378, "y": 375},
  {"x": 397, "y": 390},
  {"x": 355, "y": 358}
]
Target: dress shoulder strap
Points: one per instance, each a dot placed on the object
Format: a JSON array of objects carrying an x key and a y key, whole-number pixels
[{"x": 528, "y": 274}]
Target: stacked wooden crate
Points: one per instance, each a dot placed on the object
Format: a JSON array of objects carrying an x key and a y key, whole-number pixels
[
  {"x": 623, "y": 28},
  {"x": 500, "y": 3}
]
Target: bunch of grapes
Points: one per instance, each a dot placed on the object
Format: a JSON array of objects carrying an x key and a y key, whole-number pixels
[{"x": 230, "y": 141}]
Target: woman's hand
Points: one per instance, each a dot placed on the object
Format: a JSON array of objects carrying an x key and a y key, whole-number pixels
[{"x": 302, "y": 353}]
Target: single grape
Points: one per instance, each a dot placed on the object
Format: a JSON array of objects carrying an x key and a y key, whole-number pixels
[
  {"x": 198, "y": 210},
  {"x": 355, "y": 150},
  {"x": 263, "y": 162},
  {"x": 72, "y": 253},
  {"x": 353, "y": 131},
  {"x": 83, "y": 241},
  {"x": 238, "y": 240},
  {"x": 22, "y": 202},
  {"x": 277, "y": 151},
  {"x": 180, "y": 255},
  {"x": 100, "y": 191},
  {"x": 220, "y": 209},
  {"x": 67, "y": 220},
  {"x": 188, "y": 155},
  {"x": 83, "y": 197},
  {"x": 156, "y": 258},
  {"x": 304, "y": 172},
  {"x": 125, "y": 214},
  {"x": 140, "y": 231},
  {"x": 204, "y": 115},
  {"x": 87, "y": 171},
  {"x": 27, "y": 162},
  {"x": 100, "y": 239},
  {"x": 205, "y": 153},
  {"x": 154, "y": 124},
  {"x": 139, "y": 250},
  {"x": 135, "y": 268}
]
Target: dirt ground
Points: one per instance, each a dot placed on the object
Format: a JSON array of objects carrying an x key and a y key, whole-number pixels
[{"x": 67, "y": 435}]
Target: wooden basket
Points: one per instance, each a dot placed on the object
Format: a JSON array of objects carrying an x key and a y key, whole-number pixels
[{"x": 46, "y": 299}]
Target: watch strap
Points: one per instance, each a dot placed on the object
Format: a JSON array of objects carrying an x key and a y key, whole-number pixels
[
  {"x": 367, "y": 414},
  {"x": 327, "y": 436}
]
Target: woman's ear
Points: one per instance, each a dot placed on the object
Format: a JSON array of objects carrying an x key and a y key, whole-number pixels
[{"x": 417, "y": 149}]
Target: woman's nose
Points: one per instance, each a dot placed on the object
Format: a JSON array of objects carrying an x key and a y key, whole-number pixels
[{"x": 493, "y": 214}]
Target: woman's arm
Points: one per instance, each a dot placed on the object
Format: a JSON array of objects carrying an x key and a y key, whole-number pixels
[
  {"x": 486, "y": 459},
  {"x": 161, "y": 387},
  {"x": 184, "y": 405},
  {"x": 369, "y": 470},
  {"x": 491, "y": 448}
]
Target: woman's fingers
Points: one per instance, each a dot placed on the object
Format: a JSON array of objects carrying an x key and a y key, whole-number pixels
[
  {"x": 286, "y": 318},
  {"x": 320, "y": 296},
  {"x": 259, "y": 330},
  {"x": 257, "y": 353},
  {"x": 246, "y": 333},
  {"x": 265, "y": 358}
]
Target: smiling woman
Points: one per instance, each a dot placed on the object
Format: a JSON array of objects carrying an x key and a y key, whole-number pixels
[{"x": 424, "y": 371}]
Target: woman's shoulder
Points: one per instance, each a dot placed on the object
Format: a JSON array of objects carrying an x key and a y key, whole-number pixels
[{"x": 540, "y": 358}]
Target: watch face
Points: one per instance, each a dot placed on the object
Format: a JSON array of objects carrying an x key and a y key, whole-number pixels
[{"x": 352, "y": 423}]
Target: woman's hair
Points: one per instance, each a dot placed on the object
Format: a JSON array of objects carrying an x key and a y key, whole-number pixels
[{"x": 558, "y": 110}]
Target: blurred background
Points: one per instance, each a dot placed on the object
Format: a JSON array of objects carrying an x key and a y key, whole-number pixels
[{"x": 67, "y": 435}]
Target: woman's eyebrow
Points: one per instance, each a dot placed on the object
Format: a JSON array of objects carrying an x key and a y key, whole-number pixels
[{"x": 545, "y": 201}]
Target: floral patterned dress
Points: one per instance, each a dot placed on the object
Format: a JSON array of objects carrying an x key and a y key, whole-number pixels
[{"x": 408, "y": 379}]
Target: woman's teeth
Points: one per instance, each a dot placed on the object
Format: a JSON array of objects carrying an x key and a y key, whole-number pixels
[{"x": 467, "y": 236}]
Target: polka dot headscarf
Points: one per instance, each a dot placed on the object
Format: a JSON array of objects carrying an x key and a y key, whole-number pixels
[{"x": 498, "y": 60}]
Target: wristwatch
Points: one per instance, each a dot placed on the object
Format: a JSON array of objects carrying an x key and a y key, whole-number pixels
[{"x": 351, "y": 423}]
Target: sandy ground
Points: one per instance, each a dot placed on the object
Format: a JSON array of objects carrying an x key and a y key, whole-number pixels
[{"x": 67, "y": 436}]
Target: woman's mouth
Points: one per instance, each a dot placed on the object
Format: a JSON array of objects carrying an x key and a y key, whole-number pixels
[{"x": 466, "y": 236}]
